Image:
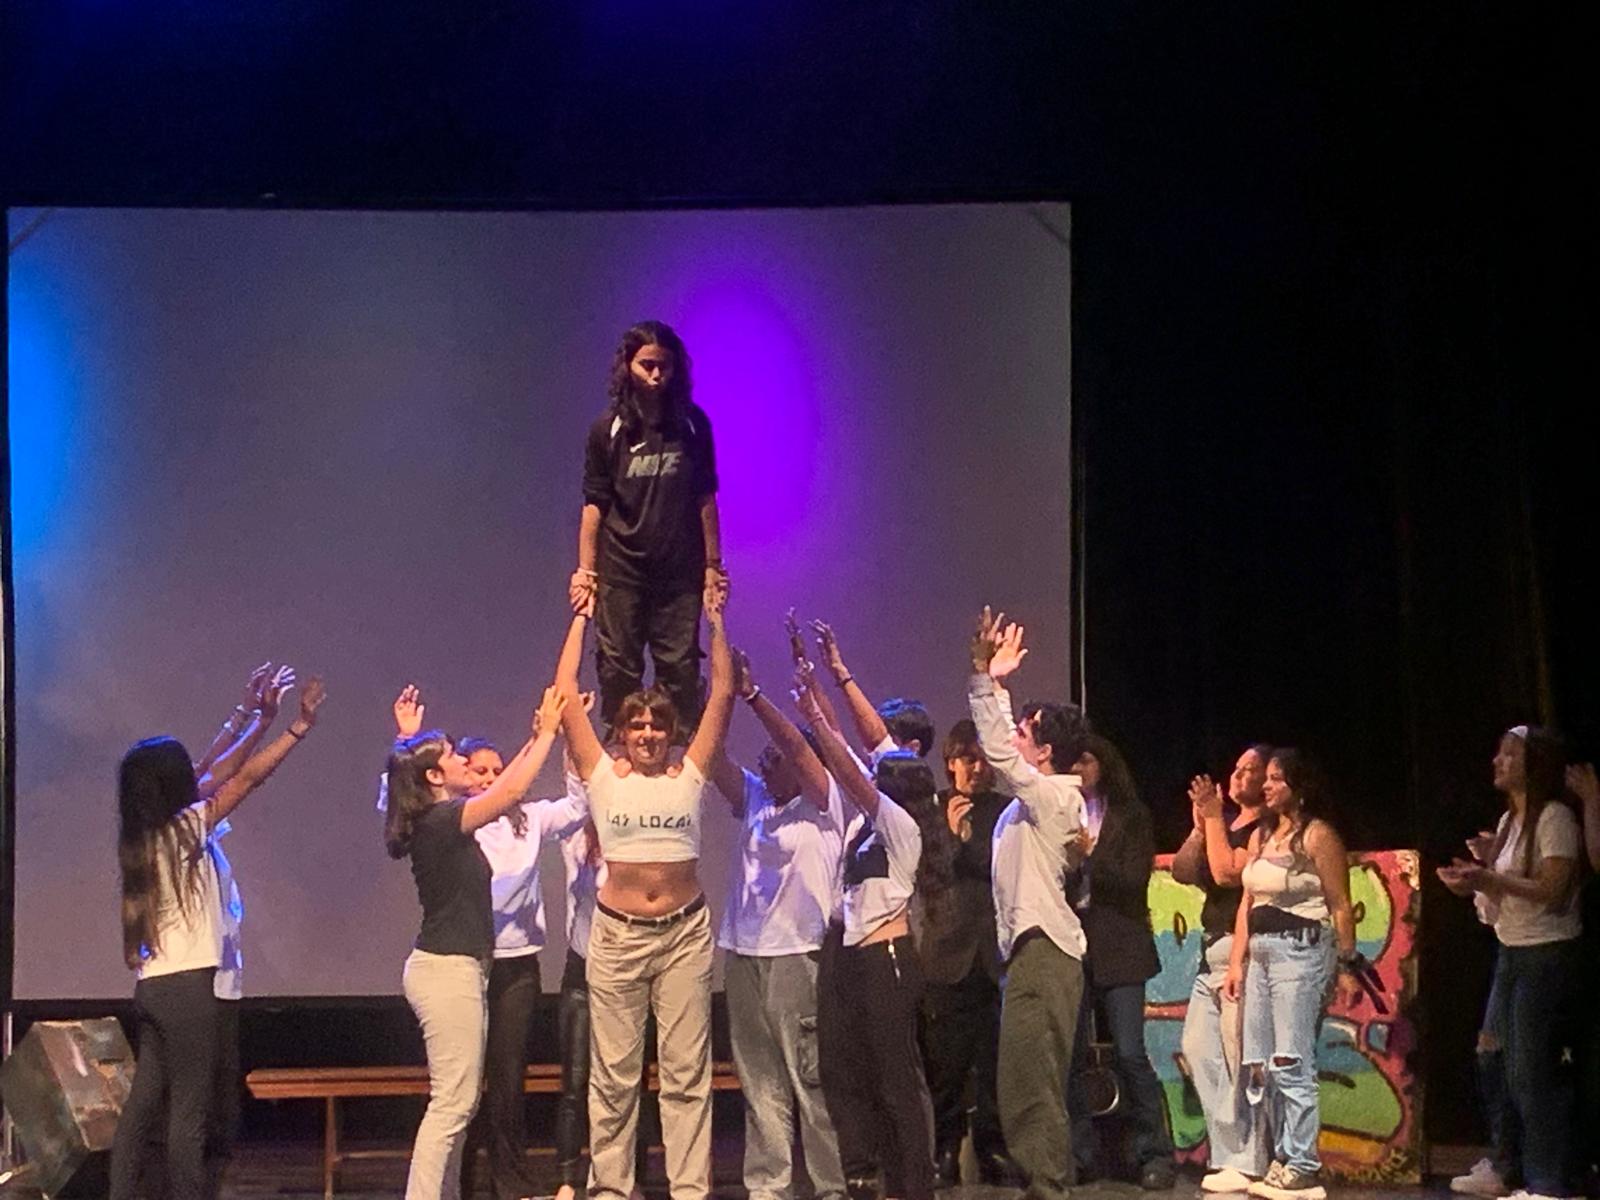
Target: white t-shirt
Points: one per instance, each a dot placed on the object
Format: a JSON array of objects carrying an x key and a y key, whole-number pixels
[
  {"x": 514, "y": 889},
  {"x": 647, "y": 818},
  {"x": 190, "y": 936},
  {"x": 229, "y": 981},
  {"x": 584, "y": 880},
  {"x": 785, "y": 875},
  {"x": 880, "y": 868},
  {"x": 1520, "y": 922}
]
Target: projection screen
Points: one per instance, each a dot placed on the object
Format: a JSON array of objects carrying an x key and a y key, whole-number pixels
[{"x": 352, "y": 442}]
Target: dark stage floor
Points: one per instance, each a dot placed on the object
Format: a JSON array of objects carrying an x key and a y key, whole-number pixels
[{"x": 292, "y": 1171}]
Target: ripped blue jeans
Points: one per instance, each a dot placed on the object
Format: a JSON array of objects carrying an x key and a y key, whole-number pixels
[{"x": 1286, "y": 988}]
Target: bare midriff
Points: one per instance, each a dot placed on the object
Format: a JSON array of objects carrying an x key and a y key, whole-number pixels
[
  {"x": 650, "y": 889},
  {"x": 893, "y": 928}
]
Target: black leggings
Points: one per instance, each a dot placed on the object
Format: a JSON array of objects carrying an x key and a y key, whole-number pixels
[
  {"x": 173, "y": 1083},
  {"x": 885, "y": 1093},
  {"x": 502, "y": 1119},
  {"x": 572, "y": 1109}
]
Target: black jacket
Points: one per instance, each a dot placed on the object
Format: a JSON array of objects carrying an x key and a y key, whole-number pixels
[
  {"x": 958, "y": 928},
  {"x": 1122, "y": 947}
]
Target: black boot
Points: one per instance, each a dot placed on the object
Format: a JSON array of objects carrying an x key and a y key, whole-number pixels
[{"x": 947, "y": 1167}]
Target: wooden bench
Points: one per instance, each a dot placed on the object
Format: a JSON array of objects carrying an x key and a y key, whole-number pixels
[{"x": 333, "y": 1084}]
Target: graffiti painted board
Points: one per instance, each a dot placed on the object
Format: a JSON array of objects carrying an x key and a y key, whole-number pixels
[{"x": 1370, "y": 1093}]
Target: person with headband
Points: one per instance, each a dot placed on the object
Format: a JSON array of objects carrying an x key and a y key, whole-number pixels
[
  {"x": 1522, "y": 876},
  {"x": 435, "y": 807},
  {"x": 511, "y": 843}
]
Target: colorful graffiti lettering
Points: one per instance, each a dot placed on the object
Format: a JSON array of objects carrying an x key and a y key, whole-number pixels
[{"x": 1371, "y": 1098}]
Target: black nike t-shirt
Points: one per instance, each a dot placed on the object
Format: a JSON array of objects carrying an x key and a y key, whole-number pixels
[{"x": 649, "y": 485}]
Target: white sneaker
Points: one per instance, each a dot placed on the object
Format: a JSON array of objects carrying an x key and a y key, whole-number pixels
[
  {"x": 1226, "y": 1179},
  {"x": 1482, "y": 1180},
  {"x": 1525, "y": 1194}
]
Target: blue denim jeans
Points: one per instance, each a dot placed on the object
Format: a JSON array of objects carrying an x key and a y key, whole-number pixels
[
  {"x": 1286, "y": 987},
  {"x": 1528, "y": 1085}
]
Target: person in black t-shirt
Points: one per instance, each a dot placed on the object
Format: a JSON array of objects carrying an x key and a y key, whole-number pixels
[
  {"x": 1212, "y": 858},
  {"x": 650, "y": 541},
  {"x": 431, "y": 816}
]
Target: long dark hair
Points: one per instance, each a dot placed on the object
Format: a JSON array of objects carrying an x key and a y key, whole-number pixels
[
  {"x": 907, "y": 780},
  {"x": 155, "y": 783},
  {"x": 1544, "y": 768},
  {"x": 1305, "y": 780},
  {"x": 410, "y": 794},
  {"x": 676, "y": 396},
  {"x": 1116, "y": 780}
]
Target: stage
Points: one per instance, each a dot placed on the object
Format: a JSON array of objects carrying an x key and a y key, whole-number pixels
[{"x": 289, "y": 1171}]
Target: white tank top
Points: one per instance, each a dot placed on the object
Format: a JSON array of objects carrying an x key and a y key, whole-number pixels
[
  {"x": 647, "y": 818},
  {"x": 1273, "y": 878}
]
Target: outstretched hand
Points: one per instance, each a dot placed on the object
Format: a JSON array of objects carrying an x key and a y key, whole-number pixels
[
  {"x": 255, "y": 684},
  {"x": 1007, "y": 653},
  {"x": 547, "y": 717},
  {"x": 805, "y": 695},
  {"x": 828, "y": 648},
  {"x": 744, "y": 683},
  {"x": 581, "y": 590},
  {"x": 311, "y": 698},
  {"x": 270, "y": 693},
  {"x": 408, "y": 711}
]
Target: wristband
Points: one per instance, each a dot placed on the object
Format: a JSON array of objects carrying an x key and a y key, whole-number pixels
[
  {"x": 845, "y": 682},
  {"x": 592, "y": 574},
  {"x": 751, "y": 697},
  {"x": 296, "y": 735}
]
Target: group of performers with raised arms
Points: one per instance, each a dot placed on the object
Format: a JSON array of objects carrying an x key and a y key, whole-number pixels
[{"x": 1020, "y": 889}]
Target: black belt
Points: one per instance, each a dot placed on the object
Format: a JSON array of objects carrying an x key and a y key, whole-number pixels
[{"x": 661, "y": 922}]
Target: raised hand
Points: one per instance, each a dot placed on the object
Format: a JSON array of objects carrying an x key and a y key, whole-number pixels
[
  {"x": 805, "y": 695},
  {"x": 1206, "y": 797},
  {"x": 984, "y": 639},
  {"x": 548, "y": 715},
  {"x": 828, "y": 647},
  {"x": 408, "y": 711},
  {"x": 1008, "y": 652},
  {"x": 744, "y": 683},
  {"x": 254, "y": 685},
  {"x": 797, "y": 642},
  {"x": 311, "y": 698},
  {"x": 271, "y": 691}
]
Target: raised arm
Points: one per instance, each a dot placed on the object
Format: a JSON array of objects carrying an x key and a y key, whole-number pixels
[
  {"x": 997, "y": 651},
  {"x": 1224, "y": 861},
  {"x": 506, "y": 792},
  {"x": 269, "y": 695},
  {"x": 869, "y": 726},
  {"x": 237, "y": 723},
  {"x": 709, "y": 738},
  {"x": 582, "y": 743},
  {"x": 784, "y": 735},
  {"x": 836, "y": 756},
  {"x": 1186, "y": 862},
  {"x": 265, "y": 761}
]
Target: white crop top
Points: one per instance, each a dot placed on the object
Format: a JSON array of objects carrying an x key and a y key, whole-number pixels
[
  {"x": 647, "y": 818},
  {"x": 1274, "y": 878}
]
